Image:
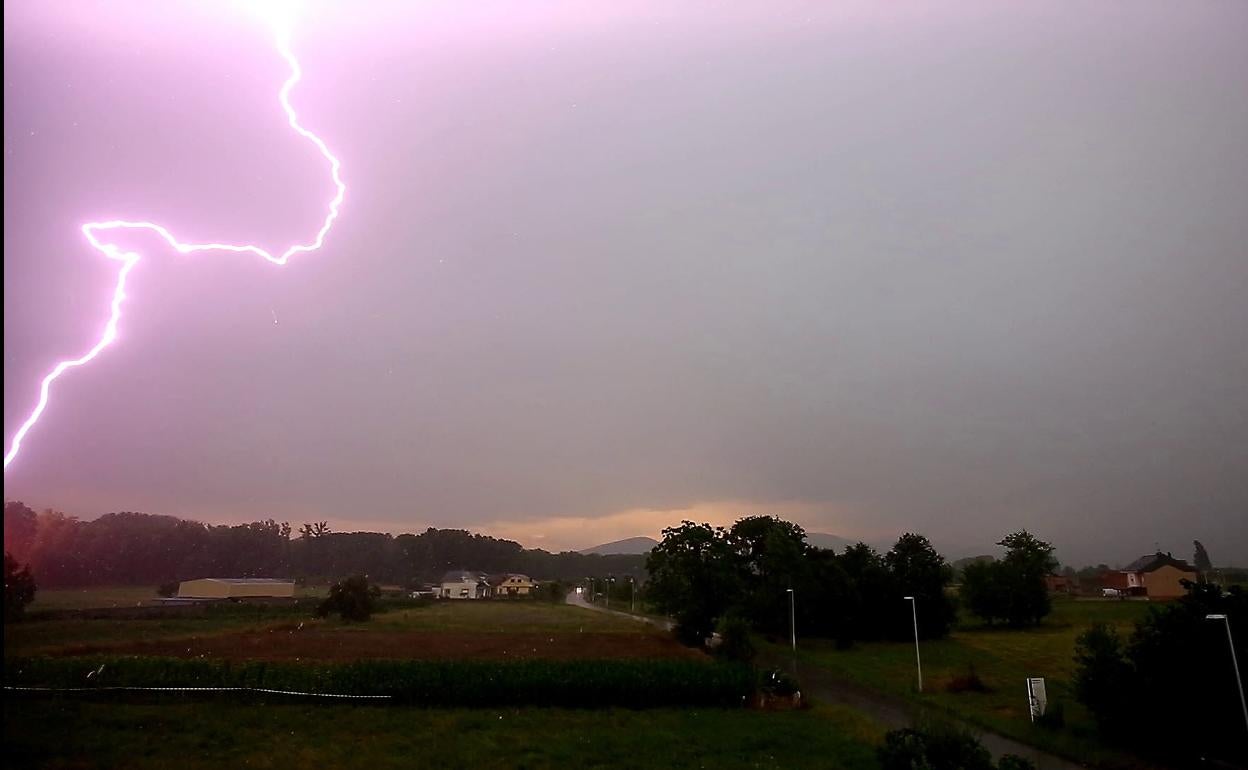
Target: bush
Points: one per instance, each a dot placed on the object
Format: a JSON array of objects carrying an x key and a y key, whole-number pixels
[
  {"x": 354, "y": 599},
  {"x": 587, "y": 683},
  {"x": 735, "y": 644},
  {"x": 168, "y": 589},
  {"x": 941, "y": 747},
  {"x": 936, "y": 749}
]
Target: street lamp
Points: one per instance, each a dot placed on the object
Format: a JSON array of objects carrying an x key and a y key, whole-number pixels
[
  {"x": 591, "y": 589},
  {"x": 1234, "y": 662},
  {"x": 632, "y": 594},
  {"x": 792, "y": 621},
  {"x": 610, "y": 580},
  {"x": 914, "y": 611}
]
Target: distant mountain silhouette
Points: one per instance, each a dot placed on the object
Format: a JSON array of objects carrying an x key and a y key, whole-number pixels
[{"x": 630, "y": 545}]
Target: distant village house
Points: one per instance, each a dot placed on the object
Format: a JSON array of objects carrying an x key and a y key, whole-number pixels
[
  {"x": 511, "y": 585},
  {"x": 462, "y": 584},
  {"x": 1157, "y": 576}
]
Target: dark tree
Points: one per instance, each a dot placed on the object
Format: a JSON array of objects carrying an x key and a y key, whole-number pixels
[
  {"x": 353, "y": 599},
  {"x": 1200, "y": 560},
  {"x": 1176, "y": 655},
  {"x": 695, "y": 576},
  {"x": 19, "y": 529},
  {"x": 19, "y": 588},
  {"x": 919, "y": 571},
  {"x": 773, "y": 557},
  {"x": 1011, "y": 590},
  {"x": 1103, "y": 677}
]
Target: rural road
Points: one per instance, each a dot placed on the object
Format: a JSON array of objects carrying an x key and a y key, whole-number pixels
[
  {"x": 576, "y": 600},
  {"x": 891, "y": 712}
]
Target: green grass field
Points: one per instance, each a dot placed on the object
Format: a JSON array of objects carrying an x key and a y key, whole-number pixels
[
  {"x": 116, "y": 596},
  {"x": 91, "y": 598},
  {"x": 37, "y": 636},
  {"x": 68, "y": 733},
  {"x": 1003, "y": 659}
]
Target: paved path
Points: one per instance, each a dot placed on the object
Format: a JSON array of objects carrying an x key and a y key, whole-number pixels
[
  {"x": 891, "y": 712},
  {"x": 576, "y": 600},
  {"x": 895, "y": 713}
]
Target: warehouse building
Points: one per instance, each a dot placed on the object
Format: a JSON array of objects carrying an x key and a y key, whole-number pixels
[{"x": 236, "y": 588}]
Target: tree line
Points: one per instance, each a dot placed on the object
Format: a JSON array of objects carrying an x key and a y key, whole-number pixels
[
  {"x": 138, "y": 548},
  {"x": 704, "y": 576},
  {"x": 762, "y": 572}
]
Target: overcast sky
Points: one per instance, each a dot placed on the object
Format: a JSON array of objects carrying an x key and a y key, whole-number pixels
[{"x": 957, "y": 268}]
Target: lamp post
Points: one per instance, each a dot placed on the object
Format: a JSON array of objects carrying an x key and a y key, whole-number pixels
[
  {"x": 914, "y": 611},
  {"x": 632, "y": 595},
  {"x": 591, "y": 589},
  {"x": 792, "y": 621},
  {"x": 1234, "y": 662},
  {"x": 610, "y": 580}
]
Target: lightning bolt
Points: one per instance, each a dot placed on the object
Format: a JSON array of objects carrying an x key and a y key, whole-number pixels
[{"x": 97, "y": 233}]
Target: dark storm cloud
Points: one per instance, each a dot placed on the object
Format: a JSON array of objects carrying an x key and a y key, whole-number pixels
[{"x": 876, "y": 268}]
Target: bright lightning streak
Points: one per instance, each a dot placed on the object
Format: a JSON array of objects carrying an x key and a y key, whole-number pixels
[{"x": 129, "y": 259}]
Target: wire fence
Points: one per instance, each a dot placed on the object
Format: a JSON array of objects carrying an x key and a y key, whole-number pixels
[{"x": 265, "y": 690}]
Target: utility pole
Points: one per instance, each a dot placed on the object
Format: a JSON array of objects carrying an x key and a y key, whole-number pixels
[{"x": 918, "y": 661}]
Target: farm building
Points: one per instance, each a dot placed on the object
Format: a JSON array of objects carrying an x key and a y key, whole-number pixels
[{"x": 236, "y": 588}]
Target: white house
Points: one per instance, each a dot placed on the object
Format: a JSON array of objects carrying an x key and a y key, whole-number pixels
[{"x": 462, "y": 584}]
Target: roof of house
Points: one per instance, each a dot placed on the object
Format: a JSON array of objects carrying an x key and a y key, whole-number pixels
[
  {"x": 462, "y": 576},
  {"x": 497, "y": 580},
  {"x": 1156, "y": 561}
]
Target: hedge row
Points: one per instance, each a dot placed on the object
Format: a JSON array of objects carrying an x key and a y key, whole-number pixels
[{"x": 629, "y": 683}]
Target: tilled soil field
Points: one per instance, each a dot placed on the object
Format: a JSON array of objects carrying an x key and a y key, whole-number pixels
[{"x": 295, "y": 643}]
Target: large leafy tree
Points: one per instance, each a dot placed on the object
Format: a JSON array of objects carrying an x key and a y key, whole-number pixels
[
  {"x": 871, "y": 605},
  {"x": 774, "y": 556},
  {"x": 1011, "y": 590},
  {"x": 19, "y": 529},
  {"x": 695, "y": 576},
  {"x": 919, "y": 571},
  {"x": 19, "y": 588}
]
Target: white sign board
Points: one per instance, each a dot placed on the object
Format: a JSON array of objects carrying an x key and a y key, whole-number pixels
[{"x": 1036, "y": 697}]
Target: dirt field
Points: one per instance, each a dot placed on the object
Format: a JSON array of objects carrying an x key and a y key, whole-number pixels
[{"x": 294, "y": 643}]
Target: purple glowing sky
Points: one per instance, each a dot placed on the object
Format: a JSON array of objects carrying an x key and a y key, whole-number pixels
[{"x": 958, "y": 270}]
